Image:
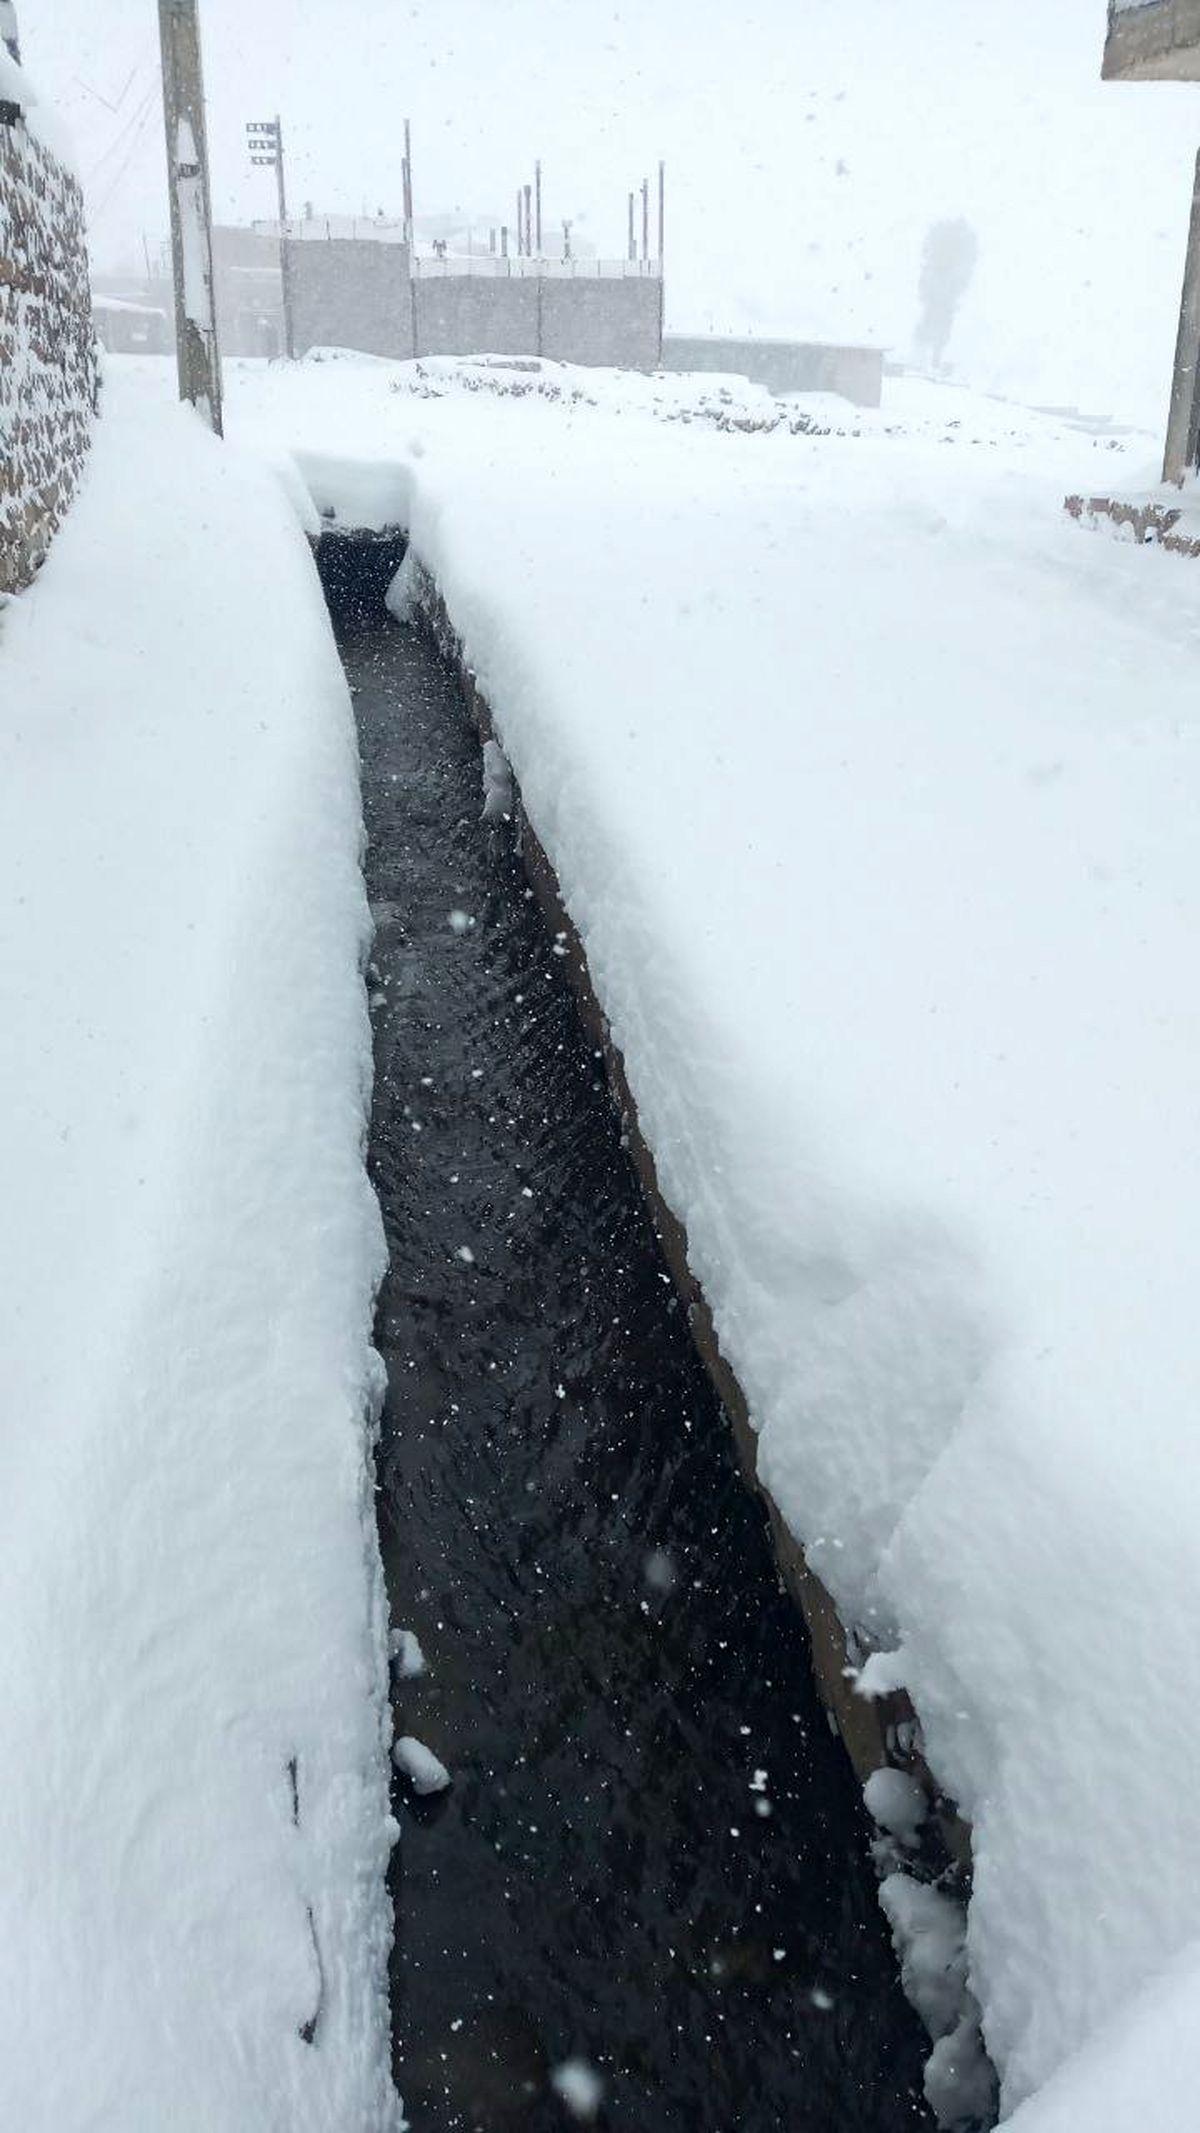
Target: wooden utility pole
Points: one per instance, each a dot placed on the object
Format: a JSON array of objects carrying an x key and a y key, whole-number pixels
[
  {"x": 1183, "y": 425},
  {"x": 198, "y": 356}
]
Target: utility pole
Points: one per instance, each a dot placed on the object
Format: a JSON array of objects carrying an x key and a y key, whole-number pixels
[
  {"x": 662, "y": 211},
  {"x": 537, "y": 194},
  {"x": 266, "y": 150},
  {"x": 520, "y": 224},
  {"x": 632, "y": 235},
  {"x": 529, "y": 222},
  {"x": 645, "y": 221},
  {"x": 566, "y": 241},
  {"x": 191, "y": 209}
]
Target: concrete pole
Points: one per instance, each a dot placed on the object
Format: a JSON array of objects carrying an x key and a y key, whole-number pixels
[
  {"x": 191, "y": 209},
  {"x": 529, "y": 222},
  {"x": 645, "y": 221},
  {"x": 632, "y": 235},
  {"x": 1183, "y": 423},
  {"x": 537, "y": 194},
  {"x": 662, "y": 210},
  {"x": 285, "y": 263}
]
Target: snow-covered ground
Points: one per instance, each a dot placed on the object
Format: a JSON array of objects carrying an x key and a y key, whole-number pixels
[
  {"x": 194, "y": 1823},
  {"x": 871, "y": 782}
]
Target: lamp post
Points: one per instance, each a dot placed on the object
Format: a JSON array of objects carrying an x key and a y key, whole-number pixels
[{"x": 265, "y": 137}]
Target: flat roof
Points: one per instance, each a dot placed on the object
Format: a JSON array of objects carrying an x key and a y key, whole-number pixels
[{"x": 1153, "y": 40}]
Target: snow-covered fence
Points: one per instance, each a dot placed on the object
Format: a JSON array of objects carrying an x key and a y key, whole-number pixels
[{"x": 47, "y": 346}]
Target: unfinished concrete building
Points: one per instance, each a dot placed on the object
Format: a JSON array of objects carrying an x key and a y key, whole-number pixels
[
  {"x": 1159, "y": 40},
  {"x": 1153, "y": 40}
]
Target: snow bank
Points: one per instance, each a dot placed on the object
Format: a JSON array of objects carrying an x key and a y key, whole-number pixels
[
  {"x": 194, "y": 1822},
  {"x": 870, "y": 781}
]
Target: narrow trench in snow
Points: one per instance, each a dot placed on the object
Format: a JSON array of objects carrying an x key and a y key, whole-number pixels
[{"x": 652, "y": 1858}]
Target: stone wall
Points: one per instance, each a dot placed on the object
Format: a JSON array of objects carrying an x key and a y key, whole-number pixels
[{"x": 47, "y": 351}]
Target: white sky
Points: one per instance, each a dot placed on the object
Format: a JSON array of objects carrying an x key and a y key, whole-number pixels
[{"x": 809, "y": 143}]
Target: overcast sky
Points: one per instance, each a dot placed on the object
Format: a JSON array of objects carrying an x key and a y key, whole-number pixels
[{"x": 809, "y": 144}]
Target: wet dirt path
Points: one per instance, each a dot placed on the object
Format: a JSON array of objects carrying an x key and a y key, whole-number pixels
[{"x": 653, "y": 1858}]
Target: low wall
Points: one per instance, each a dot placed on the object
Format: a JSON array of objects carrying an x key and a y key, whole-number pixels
[
  {"x": 783, "y": 366},
  {"x": 48, "y": 376}
]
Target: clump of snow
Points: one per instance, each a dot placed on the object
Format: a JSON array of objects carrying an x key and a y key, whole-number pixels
[
  {"x": 580, "y": 2087},
  {"x": 420, "y": 1766},
  {"x": 659, "y": 1571},
  {"x": 402, "y": 598},
  {"x": 897, "y": 1803},
  {"x": 929, "y": 1931},
  {"x": 408, "y": 1658},
  {"x": 498, "y": 799}
]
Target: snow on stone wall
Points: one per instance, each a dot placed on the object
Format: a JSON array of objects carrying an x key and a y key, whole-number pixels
[{"x": 47, "y": 350}]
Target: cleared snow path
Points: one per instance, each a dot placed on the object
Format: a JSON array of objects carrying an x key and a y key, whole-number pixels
[{"x": 194, "y": 1825}]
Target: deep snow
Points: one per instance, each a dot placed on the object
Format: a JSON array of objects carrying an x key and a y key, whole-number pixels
[
  {"x": 194, "y": 1821},
  {"x": 870, "y": 782}
]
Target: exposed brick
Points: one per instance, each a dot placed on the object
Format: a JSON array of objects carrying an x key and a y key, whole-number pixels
[{"x": 47, "y": 351}]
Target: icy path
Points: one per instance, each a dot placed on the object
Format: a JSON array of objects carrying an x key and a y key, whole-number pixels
[
  {"x": 193, "y": 1797},
  {"x": 871, "y": 783}
]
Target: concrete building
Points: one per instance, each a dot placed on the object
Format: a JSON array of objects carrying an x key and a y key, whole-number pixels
[
  {"x": 1153, "y": 40},
  {"x": 124, "y": 327},
  {"x": 1159, "y": 40},
  {"x": 855, "y": 373}
]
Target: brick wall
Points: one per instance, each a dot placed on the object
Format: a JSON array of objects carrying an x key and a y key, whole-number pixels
[{"x": 47, "y": 351}]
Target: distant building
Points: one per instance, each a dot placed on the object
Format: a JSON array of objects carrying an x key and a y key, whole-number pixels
[
  {"x": 853, "y": 372},
  {"x": 125, "y": 327},
  {"x": 1159, "y": 40},
  {"x": 354, "y": 285},
  {"x": 1153, "y": 40}
]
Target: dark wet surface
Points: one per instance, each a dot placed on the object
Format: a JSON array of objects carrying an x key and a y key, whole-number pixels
[{"x": 653, "y": 1856}]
